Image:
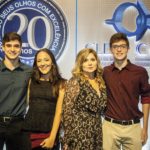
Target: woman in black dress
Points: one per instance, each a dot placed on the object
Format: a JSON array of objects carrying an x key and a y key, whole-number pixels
[
  {"x": 84, "y": 101},
  {"x": 46, "y": 90}
]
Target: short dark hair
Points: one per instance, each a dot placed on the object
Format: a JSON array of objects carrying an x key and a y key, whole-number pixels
[
  {"x": 11, "y": 36},
  {"x": 118, "y": 37}
]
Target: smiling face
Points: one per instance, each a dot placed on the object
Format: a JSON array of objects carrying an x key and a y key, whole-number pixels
[
  {"x": 89, "y": 65},
  {"x": 119, "y": 50},
  {"x": 12, "y": 49},
  {"x": 44, "y": 63}
]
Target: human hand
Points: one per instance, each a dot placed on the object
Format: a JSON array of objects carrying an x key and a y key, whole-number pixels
[
  {"x": 65, "y": 147},
  {"x": 48, "y": 143},
  {"x": 144, "y": 136}
]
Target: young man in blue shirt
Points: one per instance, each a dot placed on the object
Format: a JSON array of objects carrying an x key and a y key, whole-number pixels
[{"x": 14, "y": 77}]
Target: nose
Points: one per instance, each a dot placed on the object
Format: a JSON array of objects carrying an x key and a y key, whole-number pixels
[
  {"x": 89, "y": 63},
  {"x": 12, "y": 48},
  {"x": 119, "y": 48},
  {"x": 42, "y": 63}
]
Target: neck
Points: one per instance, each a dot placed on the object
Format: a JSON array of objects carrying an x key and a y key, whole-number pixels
[
  {"x": 45, "y": 77},
  {"x": 11, "y": 64},
  {"x": 121, "y": 64},
  {"x": 90, "y": 76}
]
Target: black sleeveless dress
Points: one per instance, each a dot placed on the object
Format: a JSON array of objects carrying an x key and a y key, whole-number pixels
[{"x": 42, "y": 106}]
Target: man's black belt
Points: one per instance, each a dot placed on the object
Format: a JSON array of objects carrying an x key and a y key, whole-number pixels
[
  {"x": 7, "y": 119},
  {"x": 123, "y": 122}
]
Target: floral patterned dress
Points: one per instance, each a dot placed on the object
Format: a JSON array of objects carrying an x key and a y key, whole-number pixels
[{"x": 82, "y": 108}]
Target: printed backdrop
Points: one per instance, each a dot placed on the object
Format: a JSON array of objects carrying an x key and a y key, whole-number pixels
[{"x": 67, "y": 26}]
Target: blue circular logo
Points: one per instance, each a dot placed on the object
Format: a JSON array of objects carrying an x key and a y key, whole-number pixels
[{"x": 41, "y": 24}]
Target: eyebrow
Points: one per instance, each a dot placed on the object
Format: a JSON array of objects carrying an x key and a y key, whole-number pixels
[{"x": 12, "y": 44}]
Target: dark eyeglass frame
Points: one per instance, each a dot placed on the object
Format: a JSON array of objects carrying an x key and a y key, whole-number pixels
[{"x": 122, "y": 46}]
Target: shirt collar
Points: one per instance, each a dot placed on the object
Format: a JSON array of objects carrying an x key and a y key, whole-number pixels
[
  {"x": 3, "y": 66},
  {"x": 128, "y": 66}
]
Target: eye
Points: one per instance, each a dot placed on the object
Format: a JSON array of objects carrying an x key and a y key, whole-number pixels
[
  {"x": 17, "y": 46},
  {"x": 8, "y": 45},
  {"x": 46, "y": 59},
  {"x": 38, "y": 60},
  {"x": 114, "y": 46},
  {"x": 93, "y": 59},
  {"x": 86, "y": 60},
  {"x": 123, "y": 46}
]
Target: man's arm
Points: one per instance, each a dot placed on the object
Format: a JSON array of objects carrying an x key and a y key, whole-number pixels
[{"x": 144, "y": 134}]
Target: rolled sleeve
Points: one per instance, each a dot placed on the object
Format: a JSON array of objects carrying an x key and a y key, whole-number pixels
[
  {"x": 145, "y": 100},
  {"x": 145, "y": 88}
]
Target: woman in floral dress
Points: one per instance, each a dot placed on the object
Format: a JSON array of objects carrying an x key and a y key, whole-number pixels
[{"x": 84, "y": 102}]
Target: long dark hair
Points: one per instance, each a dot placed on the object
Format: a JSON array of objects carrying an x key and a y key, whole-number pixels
[{"x": 55, "y": 78}]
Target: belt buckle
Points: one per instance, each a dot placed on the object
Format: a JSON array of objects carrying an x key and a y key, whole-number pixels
[
  {"x": 6, "y": 119},
  {"x": 111, "y": 120},
  {"x": 132, "y": 121},
  {"x": 123, "y": 122}
]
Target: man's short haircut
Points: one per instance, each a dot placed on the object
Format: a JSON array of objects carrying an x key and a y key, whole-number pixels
[
  {"x": 11, "y": 36},
  {"x": 118, "y": 37}
]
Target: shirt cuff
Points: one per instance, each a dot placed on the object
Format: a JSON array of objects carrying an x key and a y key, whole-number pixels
[{"x": 145, "y": 100}]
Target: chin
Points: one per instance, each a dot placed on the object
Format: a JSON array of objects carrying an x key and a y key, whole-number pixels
[
  {"x": 121, "y": 58},
  {"x": 44, "y": 73},
  {"x": 13, "y": 58}
]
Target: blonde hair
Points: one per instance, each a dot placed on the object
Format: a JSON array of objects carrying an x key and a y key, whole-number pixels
[{"x": 81, "y": 57}]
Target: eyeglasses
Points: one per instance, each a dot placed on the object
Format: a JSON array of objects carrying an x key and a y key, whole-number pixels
[{"x": 116, "y": 47}]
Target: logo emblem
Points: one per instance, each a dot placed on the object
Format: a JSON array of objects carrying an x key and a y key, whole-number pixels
[
  {"x": 41, "y": 24},
  {"x": 142, "y": 20}
]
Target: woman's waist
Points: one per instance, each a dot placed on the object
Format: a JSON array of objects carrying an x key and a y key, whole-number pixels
[{"x": 85, "y": 111}]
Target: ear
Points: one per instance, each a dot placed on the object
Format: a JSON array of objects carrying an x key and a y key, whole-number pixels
[
  {"x": 3, "y": 48},
  {"x": 111, "y": 51},
  {"x": 20, "y": 50}
]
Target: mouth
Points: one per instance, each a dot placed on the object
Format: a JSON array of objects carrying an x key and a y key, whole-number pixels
[
  {"x": 90, "y": 68},
  {"x": 119, "y": 54},
  {"x": 12, "y": 54},
  {"x": 44, "y": 67}
]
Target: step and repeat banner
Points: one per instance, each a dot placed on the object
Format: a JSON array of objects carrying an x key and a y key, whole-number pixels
[{"x": 67, "y": 26}]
